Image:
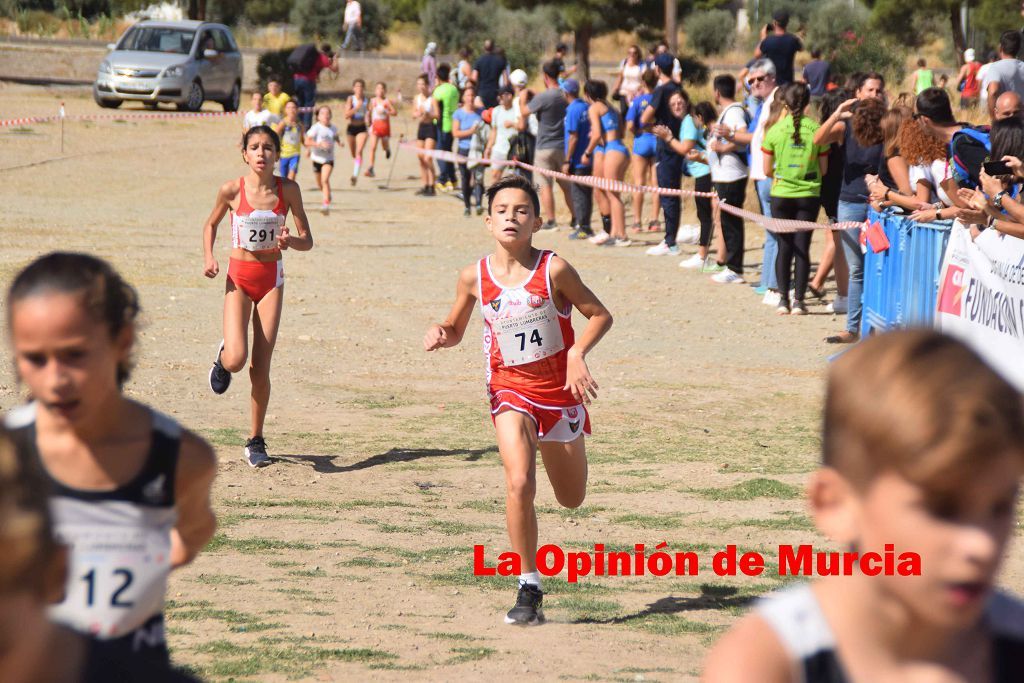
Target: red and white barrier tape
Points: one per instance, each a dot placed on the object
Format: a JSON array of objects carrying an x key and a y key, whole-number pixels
[
  {"x": 128, "y": 116},
  {"x": 773, "y": 224}
]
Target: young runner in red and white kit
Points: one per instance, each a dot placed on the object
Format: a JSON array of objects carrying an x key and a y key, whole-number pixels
[
  {"x": 381, "y": 111},
  {"x": 259, "y": 203},
  {"x": 537, "y": 375}
]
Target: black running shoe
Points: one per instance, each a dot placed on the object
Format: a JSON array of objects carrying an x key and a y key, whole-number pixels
[
  {"x": 527, "y": 611},
  {"x": 256, "y": 452},
  {"x": 220, "y": 379}
]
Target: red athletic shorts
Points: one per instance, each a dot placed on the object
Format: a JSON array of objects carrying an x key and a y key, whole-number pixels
[
  {"x": 382, "y": 128},
  {"x": 553, "y": 423},
  {"x": 256, "y": 278}
]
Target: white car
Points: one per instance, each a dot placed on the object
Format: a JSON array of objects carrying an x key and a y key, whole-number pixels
[{"x": 177, "y": 62}]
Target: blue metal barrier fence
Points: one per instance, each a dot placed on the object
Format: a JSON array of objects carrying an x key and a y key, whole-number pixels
[{"x": 901, "y": 282}]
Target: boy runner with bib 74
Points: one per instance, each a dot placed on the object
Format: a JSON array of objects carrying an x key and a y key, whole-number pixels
[{"x": 537, "y": 376}]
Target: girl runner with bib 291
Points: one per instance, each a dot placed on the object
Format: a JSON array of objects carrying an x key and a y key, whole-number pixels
[
  {"x": 537, "y": 375},
  {"x": 129, "y": 488},
  {"x": 259, "y": 204}
]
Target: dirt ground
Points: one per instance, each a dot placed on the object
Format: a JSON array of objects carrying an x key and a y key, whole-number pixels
[{"x": 351, "y": 556}]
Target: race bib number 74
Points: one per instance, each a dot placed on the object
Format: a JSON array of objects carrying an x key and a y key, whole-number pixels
[{"x": 528, "y": 338}]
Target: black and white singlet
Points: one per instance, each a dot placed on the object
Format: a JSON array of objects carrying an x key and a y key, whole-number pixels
[
  {"x": 798, "y": 622},
  {"x": 119, "y": 541}
]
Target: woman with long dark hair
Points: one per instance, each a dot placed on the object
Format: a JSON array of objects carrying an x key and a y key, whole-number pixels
[{"x": 796, "y": 166}]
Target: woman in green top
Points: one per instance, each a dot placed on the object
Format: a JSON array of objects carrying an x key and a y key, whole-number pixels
[{"x": 797, "y": 165}]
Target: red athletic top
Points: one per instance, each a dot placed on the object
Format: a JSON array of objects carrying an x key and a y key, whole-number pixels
[
  {"x": 971, "y": 86},
  {"x": 526, "y": 338},
  {"x": 257, "y": 229}
]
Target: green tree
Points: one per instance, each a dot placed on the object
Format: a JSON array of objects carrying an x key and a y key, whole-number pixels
[
  {"x": 262, "y": 12},
  {"x": 405, "y": 10},
  {"x": 324, "y": 19},
  {"x": 827, "y": 29},
  {"x": 588, "y": 19},
  {"x": 992, "y": 17},
  {"x": 903, "y": 21}
]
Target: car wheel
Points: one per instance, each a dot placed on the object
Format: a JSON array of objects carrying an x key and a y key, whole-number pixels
[
  {"x": 231, "y": 103},
  {"x": 195, "y": 98},
  {"x": 105, "y": 103}
]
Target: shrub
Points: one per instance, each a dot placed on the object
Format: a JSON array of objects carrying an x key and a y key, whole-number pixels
[
  {"x": 524, "y": 36},
  {"x": 695, "y": 72},
  {"x": 275, "y": 63},
  {"x": 870, "y": 52},
  {"x": 826, "y": 28},
  {"x": 405, "y": 10},
  {"x": 324, "y": 19},
  {"x": 453, "y": 23},
  {"x": 262, "y": 12},
  {"x": 711, "y": 32}
]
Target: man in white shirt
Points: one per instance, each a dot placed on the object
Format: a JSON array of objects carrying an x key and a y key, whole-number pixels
[
  {"x": 353, "y": 24},
  {"x": 761, "y": 80},
  {"x": 729, "y": 170}
]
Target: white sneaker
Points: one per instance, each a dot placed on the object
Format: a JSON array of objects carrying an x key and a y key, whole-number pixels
[
  {"x": 771, "y": 298},
  {"x": 727, "y": 277},
  {"x": 838, "y": 305},
  {"x": 664, "y": 250},
  {"x": 695, "y": 261},
  {"x": 599, "y": 238},
  {"x": 688, "y": 234},
  {"x": 623, "y": 242}
]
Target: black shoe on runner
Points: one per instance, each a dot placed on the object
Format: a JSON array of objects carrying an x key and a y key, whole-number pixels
[
  {"x": 527, "y": 611},
  {"x": 220, "y": 379},
  {"x": 256, "y": 452}
]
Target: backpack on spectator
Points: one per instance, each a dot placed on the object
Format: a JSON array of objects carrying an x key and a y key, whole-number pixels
[
  {"x": 966, "y": 156},
  {"x": 302, "y": 58}
]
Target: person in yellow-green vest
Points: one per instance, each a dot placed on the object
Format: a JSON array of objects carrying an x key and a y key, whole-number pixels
[{"x": 924, "y": 78}]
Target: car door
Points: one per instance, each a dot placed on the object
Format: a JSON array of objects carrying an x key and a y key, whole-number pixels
[
  {"x": 230, "y": 59},
  {"x": 206, "y": 68}
]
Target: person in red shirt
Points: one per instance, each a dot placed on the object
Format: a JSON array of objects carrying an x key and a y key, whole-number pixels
[
  {"x": 305, "y": 83},
  {"x": 967, "y": 80}
]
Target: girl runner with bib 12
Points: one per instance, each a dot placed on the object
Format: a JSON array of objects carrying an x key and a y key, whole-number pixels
[
  {"x": 537, "y": 375},
  {"x": 33, "y": 569},
  {"x": 259, "y": 204},
  {"x": 129, "y": 488}
]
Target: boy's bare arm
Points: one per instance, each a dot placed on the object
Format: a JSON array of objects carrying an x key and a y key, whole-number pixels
[
  {"x": 449, "y": 332},
  {"x": 568, "y": 284}
]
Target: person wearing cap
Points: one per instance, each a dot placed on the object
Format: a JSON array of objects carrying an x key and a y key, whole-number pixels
[
  {"x": 577, "y": 135},
  {"x": 487, "y": 72},
  {"x": 1007, "y": 73},
  {"x": 669, "y": 167},
  {"x": 428, "y": 65},
  {"x": 549, "y": 106},
  {"x": 525, "y": 141},
  {"x": 967, "y": 81},
  {"x": 780, "y": 47}
]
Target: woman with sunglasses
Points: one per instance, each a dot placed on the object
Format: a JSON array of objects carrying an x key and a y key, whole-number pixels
[{"x": 627, "y": 85}]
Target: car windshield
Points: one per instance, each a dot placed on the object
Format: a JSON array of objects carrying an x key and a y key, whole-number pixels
[{"x": 158, "y": 39}]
